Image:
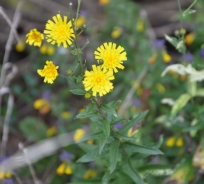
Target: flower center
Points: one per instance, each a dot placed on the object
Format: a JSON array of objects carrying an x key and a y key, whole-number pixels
[{"x": 111, "y": 59}]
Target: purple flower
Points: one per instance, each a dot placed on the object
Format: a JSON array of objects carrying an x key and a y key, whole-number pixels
[
  {"x": 9, "y": 181},
  {"x": 136, "y": 102},
  {"x": 159, "y": 44},
  {"x": 187, "y": 57},
  {"x": 201, "y": 53},
  {"x": 66, "y": 155},
  {"x": 83, "y": 13},
  {"x": 3, "y": 158},
  {"x": 46, "y": 95},
  {"x": 118, "y": 126}
]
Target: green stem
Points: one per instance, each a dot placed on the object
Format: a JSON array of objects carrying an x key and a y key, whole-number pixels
[
  {"x": 78, "y": 8},
  {"x": 189, "y": 7},
  {"x": 180, "y": 13},
  {"x": 79, "y": 54}
]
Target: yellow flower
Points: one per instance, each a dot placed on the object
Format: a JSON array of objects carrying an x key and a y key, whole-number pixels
[
  {"x": 64, "y": 168},
  {"x": 189, "y": 38},
  {"x": 166, "y": 57},
  {"x": 90, "y": 173},
  {"x": 34, "y": 37},
  {"x": 80, "y": 21},
  {"x": 47, "y": 49},
  {"x": 116, "y": 33},
  {"x": 152, "y": 59},
  {"x": 112, "y": 57},
  {"x": 79, "y": 133},
  {"x": 160, "y": 88},
  {"x": 90, "y": 142},
  {"x": 49, "y": 72},
  {"x": 59, "y": 32},
  {"x": 104, "y": 2},
  {"x": 66, "y": 114},
  {"x": 51, "y": 131},
  {"x": 132, "y": 132},
  {"x": 173, "y": 141},
  {"x": 98, "y": 80},
  {"x": 42, "y": 105},
  {"x": 140, "y": 26},
  {"x": 4, "y": 175},
  {"x": 20, "y": 46}
]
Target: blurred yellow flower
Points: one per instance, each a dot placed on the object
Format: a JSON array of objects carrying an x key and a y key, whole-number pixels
[
  {"x": 166, "y": 57},
  {"x": 79, "y": 133},
  {"x": 90, "y": 142},
  {"x": 66, "y": 114},
  {"x": 4, "y": 175},
  {"x": 34, "y": 37},
  {"x": 20, "y": 46},
  {"x": 173, "y": 141},
  {"x": 42, "y": 105},
  {"x": 47, "y": 49},
  {"x": 152, "y": 59},
  {"x": 51, "y": 131},
  {"x": 87, "y": 95},
  {"x": 132, "y": 132},
  {"x": 189, "y": 38},
  {"x": 160, "y": 88},
  {"x": 90, "y": 173},
  {"x": 140, "y": 26},
  {"x": 80, "y": 21},
  {"x": 49, "y": 72},
  {"x": 139, "y": 90},
  {"x": 64, "y": 168},
  {"x": 116, "y": 32},
  {"x": 104, "y": 2}
]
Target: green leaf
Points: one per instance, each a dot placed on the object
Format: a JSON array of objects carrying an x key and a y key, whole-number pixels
[
  {"x": 188, "y": 12},
  {"x": 114, "y": 104},
  {"x": 128, "y": 169},
  {"x": 117, "y": 120},
  {"x": 33, "y": 128},
  {"x": 124, "y": 137},
  {"x": 88, "y": 112},
  {"x": 108, "y": 109},
  {"x": 92, "y": 155},
  {"x": 114, "y": 155},
  {"x": 177, "y": 43},
  {"x": 106, "y": 178},
  {"x": 102, "y": 143},
  {"x": 90, "y": 137},
  {"x": 180, "y": 103},
  {"x": 192, "y": 88},
  {"x": 78, "y": 91},
  {"x": 106, "y": 129},
  {"x": 195, "y": 127},
  {"x": 133, "y": 122},
  {"x": 87, "y": 182},
  {"x": 200, "y": 92},
  {"x": 156, "y": 170},
  {"x": 134, "y": 148}
]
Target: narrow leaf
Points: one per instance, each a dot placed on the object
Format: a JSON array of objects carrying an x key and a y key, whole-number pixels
[
  {"x": 127, "y": 169},
  {"x": 114, "y": 155},
  {"x": 133, "y": 122},
  {"x": 134, "y": 148},
  {"x": 88, "y": 112},
  {"x": 102, "y": 143},
  {"x": 92, "y": 155},
  {"x": 106, "y": 178},
  {"x": 108, "y": 109},
  {"x": 117, "y": 120},
  {"x": 90, "y": 137},
  {"x": 106, "y": 128},
  {"x": 78, "y": 91}
]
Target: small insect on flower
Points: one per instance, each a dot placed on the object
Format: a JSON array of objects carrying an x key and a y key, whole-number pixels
[
  {"x": 98, "y": 80},
  {"x": 49, "y": 72},
  {"x": 112, "y": 57},
  {"x": 59, "y": 31},
  {"x": 34, "y": 37}
]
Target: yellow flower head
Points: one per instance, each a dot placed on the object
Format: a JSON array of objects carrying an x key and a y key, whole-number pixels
[
  {"x": 42, "y": 105},
  {"x": 34, "y": 37},
  {"x": 60, "y": 31},
  {"x": 87, "y": 95},
  {"x": 160, "y": 88},
  {"x": 172, "y": 141},
  {"x": 189, "y": 38},
  {"x": 166, "y": 57},
  {"x": 49, "y": 72},
  {"x": 104, "y": 2},
  {"x": 47, "y": 49},
  {"x": 51, "y": 131},
  {"x": 79, "y": 133},
  {"x": 80, "y": 21},
  {"x": 116, "y": 33},
  {"x": 140, "y": 26},
  {"x": 98, "y": 80},
  {"x": 90, "y": 173},
  {"x": 112, "y": 57},
  {"x": 64, "y": 168},
  {"x": 20, "y": 46},
  {"x": 4, "y": 175}
]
